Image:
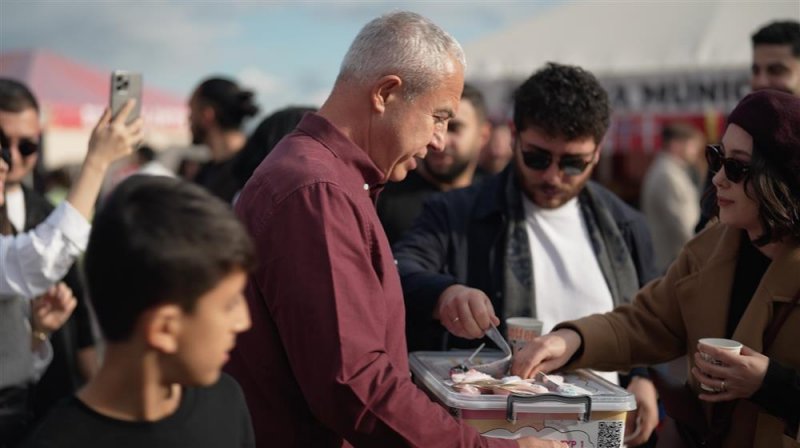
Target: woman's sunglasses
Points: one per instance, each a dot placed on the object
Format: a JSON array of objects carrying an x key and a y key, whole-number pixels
[
  {"x": 540, "y": 160},
  {"x": 735, "y": 170},
  {"x": 25, "y": 146}
]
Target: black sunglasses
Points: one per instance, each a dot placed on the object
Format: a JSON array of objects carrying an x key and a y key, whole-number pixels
[
  {"x": 540, "y": 160},
  {"x": 25, "y": 146},
  {"x": 735, "y": 170}
]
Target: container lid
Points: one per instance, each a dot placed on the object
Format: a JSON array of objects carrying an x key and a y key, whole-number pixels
[{"x": 432, "y": 369}]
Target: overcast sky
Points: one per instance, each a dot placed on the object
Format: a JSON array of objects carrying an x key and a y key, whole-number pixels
[{"x": 289, "y": 52}]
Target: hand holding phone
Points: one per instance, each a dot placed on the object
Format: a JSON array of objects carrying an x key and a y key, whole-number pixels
[{"x": 126, "y": 85}]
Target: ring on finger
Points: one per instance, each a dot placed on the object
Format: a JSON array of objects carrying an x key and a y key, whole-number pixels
[{"x": 456, "y": 319}]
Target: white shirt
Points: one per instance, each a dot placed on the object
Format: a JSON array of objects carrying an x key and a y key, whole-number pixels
[
  {"x": 568, "y": 282},
  {"x": 30, "y": 263},
  {"x": 33, "y": 261},
  {"x": 15, "y": 208}
]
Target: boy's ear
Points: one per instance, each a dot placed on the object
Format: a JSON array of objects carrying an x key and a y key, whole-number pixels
[{"x": 162, "y": 327}]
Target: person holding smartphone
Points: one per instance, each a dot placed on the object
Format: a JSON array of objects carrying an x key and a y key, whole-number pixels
[{"x": 33, "y": 261}]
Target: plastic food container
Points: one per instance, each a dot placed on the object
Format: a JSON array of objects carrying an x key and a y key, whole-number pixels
[{"x": 582, "y": 421}]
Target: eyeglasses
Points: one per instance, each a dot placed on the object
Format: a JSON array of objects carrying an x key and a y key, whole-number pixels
[
  {"x": 540, "y": 160},
  {"x": 735, "y": 170},
  {"x": 26, "y": 146}
]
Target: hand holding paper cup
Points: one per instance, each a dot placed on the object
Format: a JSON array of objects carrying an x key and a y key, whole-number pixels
[
  {"x": 521, "y": 331},
  {"x": 722, "y": 344}
]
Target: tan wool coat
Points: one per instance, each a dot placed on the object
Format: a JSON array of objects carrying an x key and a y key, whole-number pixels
[{"x": 670, "y": 315}]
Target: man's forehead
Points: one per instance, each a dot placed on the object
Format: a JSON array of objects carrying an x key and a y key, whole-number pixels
[
  {"x": 23, "y": 122},
  {"x": 773, "y": 51}
]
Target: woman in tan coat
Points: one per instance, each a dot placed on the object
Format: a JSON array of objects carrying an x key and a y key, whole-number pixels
[{"x": 738, "y": 279}]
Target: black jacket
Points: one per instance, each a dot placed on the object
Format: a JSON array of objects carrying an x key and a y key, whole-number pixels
[{"x": 460, "y": 239}]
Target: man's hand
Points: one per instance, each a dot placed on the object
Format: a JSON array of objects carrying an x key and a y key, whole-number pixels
[
  {"x": 739, "y": 376},
  {"x": 644, "y": 420},
  {"x": 546, "y": 353},
  {"x": 533, "y": 442},
  {"x": 465, "y": 312},
  {"x": 50, "y": 310}
]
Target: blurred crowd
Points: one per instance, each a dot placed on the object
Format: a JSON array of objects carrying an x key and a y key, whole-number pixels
[{"x": 308, "y": 257}]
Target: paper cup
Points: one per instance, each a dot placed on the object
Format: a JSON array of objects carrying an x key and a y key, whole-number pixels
[
  {"x": 720, "y": 343},
  {"x": 521, "y": 331}
]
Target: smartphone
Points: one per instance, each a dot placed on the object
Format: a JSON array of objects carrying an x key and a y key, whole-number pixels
[{"x": 124, "y": 86}]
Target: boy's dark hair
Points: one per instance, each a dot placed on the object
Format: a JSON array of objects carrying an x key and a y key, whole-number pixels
[
  {"x": 563, "y": 101},
  {"x": 478, "y": 101},
  {"x": 678, "y": 131},
  {"x": 785, "y": 32},
  {"x": 16, "y": 96},
  {"x": 231, "y": 104},
  {"x": 159, "y": 240}
]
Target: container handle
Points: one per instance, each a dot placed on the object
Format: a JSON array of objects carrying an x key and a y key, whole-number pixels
[{"x": 511, "y": 412}]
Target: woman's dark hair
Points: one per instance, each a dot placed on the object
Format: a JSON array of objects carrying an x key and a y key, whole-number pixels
[
  {"x": 264, "y": 139},
  {"x": 231, "y": 104},
  {"x": 778, "y": 201}
]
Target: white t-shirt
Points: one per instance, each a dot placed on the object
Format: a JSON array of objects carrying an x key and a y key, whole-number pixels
[{"x": 568, "y": 282}]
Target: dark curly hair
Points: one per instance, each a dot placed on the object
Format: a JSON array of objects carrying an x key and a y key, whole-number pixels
[
  {"x": 778, "y": 201},
  {"x": 563, "y": 101}
]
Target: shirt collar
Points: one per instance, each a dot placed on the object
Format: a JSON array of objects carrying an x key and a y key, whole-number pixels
[{"x": 343, "y": 148}]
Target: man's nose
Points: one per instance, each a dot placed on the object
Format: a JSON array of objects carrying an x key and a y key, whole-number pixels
[
  {"x": 759, "y": 81},
  {"x": 438, "y": 141},
  {"x": 552, "y": 172}
]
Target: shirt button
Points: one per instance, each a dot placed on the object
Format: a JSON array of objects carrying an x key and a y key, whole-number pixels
[{"x": 366, "y": 186}]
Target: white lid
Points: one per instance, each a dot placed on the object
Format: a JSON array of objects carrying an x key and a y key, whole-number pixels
[{"x": 432, "y": 369}]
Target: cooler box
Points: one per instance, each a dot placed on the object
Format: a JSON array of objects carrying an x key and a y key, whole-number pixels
[{"x": 583, "y": 421}]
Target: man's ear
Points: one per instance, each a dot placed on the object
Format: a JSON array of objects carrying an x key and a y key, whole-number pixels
[
  {"x": 162, "y": 327},
  {"x": 384, "y": 91},
  {"x": 597, "y": 151}
]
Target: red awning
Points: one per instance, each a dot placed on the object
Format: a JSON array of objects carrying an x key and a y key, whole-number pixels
[{"x": 74, "y": 95}]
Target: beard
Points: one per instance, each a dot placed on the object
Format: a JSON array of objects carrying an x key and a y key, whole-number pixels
[
  {"x": 449, "y": 174},
  {"x": 198, "y": 134}
]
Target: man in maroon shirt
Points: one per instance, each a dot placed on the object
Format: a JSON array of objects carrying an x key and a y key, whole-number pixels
[{"x": 325, "y": 363}]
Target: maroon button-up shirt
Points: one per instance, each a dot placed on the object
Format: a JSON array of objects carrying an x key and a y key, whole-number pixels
[{"x": 325, "y": 363}]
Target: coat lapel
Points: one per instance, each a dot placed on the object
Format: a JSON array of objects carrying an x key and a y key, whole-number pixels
[
  {"x": 779, "y": 285},
  {"x": 705, "y": 295}
]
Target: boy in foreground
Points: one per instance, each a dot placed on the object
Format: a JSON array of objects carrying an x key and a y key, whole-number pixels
[{"x": 165, "y": 268}]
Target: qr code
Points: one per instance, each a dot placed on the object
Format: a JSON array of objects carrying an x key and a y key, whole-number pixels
[{"x": 609, "y": 435}]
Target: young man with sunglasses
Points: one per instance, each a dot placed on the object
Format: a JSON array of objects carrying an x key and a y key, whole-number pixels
[{"x": 539, "y": 239}]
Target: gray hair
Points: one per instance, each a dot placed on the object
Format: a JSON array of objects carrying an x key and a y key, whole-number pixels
[{"x": 405, "y": 44}]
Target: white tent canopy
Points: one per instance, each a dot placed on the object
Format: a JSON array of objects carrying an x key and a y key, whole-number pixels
[{"x": 625, "y": 37}]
